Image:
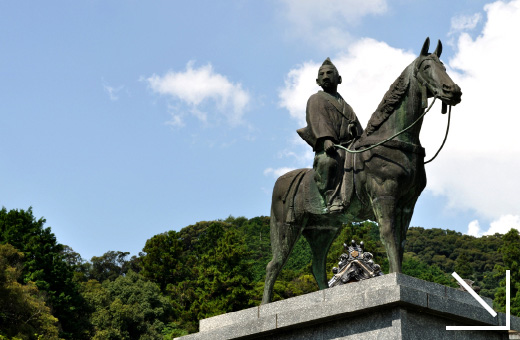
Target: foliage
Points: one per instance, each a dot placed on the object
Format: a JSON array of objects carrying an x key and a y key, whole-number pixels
[
  {"x": 462, "y": 266},
  {"x": 173, "y": 330},
  {"x": 45, "y": 265},
  {"x": 163, "y": 261},
  {"x": 203, "y": 268},
  {"x": 23, "y": 312},
  {"x": 223, "y": 281},
  {"x": 471, "y": 257},
  {"x": 415, "y": 267},
  {"x": 110, "y": 266},
  {"x": 510, "y": 251},
  {"x": 130, "y": 307},
  {"x": 215, "y": 267}
]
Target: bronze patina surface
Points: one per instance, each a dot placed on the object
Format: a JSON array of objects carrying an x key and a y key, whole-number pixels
[{"x": 380, "y": 184}]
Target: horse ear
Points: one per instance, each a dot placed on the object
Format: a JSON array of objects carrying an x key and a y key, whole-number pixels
[
  {"x": 438, "y": 50},
  {"x": 425, "y": 47}
]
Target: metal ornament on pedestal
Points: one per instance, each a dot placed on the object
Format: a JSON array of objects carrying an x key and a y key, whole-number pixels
[{"x": 355, "y": 265}]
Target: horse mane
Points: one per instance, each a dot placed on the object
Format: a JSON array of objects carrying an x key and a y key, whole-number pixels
[{"x": 390, "y": 102}]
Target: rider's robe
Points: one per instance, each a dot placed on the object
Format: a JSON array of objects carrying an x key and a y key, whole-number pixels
[{"x": 329, "y": 117}]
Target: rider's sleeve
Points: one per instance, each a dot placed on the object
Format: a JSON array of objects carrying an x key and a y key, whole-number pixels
[{"x": 319, "y": 120}]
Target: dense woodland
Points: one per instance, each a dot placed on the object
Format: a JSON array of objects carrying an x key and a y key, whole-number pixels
[{"x": 48, "y": 291}]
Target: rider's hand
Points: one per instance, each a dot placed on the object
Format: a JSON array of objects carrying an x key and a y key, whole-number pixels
[
  {"x": 352, "y": 130},
  {"x": 328, "y": 146}
]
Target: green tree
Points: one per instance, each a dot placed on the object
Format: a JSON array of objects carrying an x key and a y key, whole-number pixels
[
  {"x": 45, "y": 265},
  {"x": 474, "y": 257},
  {"x": 257, "y": 234},
  {"x": 463, "y": 266},
  {"x": 80, "y": 267},
  {"x": 414, "y": 266},
  {"x": 130, "y": 307},
  {"x": 163, "y": 259},
  {"x": 23, "y": 312},
  {"x": 203, "y": 268},
  {"x": 223, "y": 280},
  {"x": 109, "y": 266},
  {"x": 511, "y": 256}
]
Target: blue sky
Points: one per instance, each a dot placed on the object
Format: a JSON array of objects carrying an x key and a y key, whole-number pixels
[{"x": 120, "y": 120}]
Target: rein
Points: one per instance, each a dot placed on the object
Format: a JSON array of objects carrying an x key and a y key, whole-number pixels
[
  {"x": 392, "y": 137},
  {"x": 445, "y": 137},
  {"x": 406, "y": 129}
]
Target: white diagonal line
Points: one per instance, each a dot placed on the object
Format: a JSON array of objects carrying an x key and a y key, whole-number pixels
[
  {"x": 508, "y": 311},
  {"x": 475, "y": 295}
]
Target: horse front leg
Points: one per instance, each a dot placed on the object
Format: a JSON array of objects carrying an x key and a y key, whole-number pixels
[{"x": 388, "y": 216}]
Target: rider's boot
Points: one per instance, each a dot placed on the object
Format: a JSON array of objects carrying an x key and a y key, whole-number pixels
[{"x": 334, "y": 204}]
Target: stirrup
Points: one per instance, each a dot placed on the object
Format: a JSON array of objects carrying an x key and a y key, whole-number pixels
[{"x": 335, "y": 208}]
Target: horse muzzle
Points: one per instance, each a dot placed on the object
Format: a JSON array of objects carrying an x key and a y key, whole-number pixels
[{"x": 450, "y": 94}]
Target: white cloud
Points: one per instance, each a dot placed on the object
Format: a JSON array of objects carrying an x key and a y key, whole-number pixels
[
  {"x": 197, "y": 86},
  {"x": 501, "y": 226},
  {"x": 504, "y": 224},
  {"x": 112, "y": 91},
  {"x": 326, "y": 23},
  {"x": 474, "y": 229},
  {"x": 465, "y": 22},
  {"x": 300, "y": 83}
]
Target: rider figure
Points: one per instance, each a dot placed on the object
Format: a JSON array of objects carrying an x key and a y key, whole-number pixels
[{"x": 330, "y": 120}]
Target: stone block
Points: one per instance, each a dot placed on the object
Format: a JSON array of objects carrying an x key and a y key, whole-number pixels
[
  {"x": 458, "y": 310},
  {"x": 295, "y": 303},
  {"x": 421, "y": 285},
  {"x": 256, "y": 327},
  {"x": 228, "y": 319},
  {"x": 465, "y": 297},
  {"x": 393, "y": 306},
  {"x": 321, "y": 311}
]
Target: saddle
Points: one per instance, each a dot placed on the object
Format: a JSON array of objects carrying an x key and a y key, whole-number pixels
[{"x": 303, "y": 197}]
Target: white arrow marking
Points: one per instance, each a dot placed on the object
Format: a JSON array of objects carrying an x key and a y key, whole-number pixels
[{"x": 475, "y": 295}]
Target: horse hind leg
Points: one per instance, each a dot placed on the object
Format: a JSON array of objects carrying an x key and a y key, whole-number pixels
[
  {"x": 320, "y": 241},
  {"x": 283, "y": 239}
]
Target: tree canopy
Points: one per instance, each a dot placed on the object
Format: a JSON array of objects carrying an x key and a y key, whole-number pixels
[
  {"x": 23, "y": 312},
  {"x": 45, "y": 266},
  {"x": 205, "y": 269}
]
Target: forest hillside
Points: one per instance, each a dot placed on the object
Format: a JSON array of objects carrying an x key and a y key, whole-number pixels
[{"x": 48, "y": 291}]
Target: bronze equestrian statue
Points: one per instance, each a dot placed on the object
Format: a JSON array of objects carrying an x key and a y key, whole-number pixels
[{"x": 371, "y": 181}]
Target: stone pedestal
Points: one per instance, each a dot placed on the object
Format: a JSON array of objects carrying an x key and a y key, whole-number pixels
[{"x": 393, "y": 306}]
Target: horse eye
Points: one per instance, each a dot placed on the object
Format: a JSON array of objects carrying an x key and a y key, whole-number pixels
[{"x": 426, "y": 67}]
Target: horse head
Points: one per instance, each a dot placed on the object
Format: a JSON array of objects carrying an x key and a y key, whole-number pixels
[
  {"x": 431, "y": 74},
  {"x": 429, "y": 78}
]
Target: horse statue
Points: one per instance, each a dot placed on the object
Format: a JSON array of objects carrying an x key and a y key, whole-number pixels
[{"x": 383, "y": 175}]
